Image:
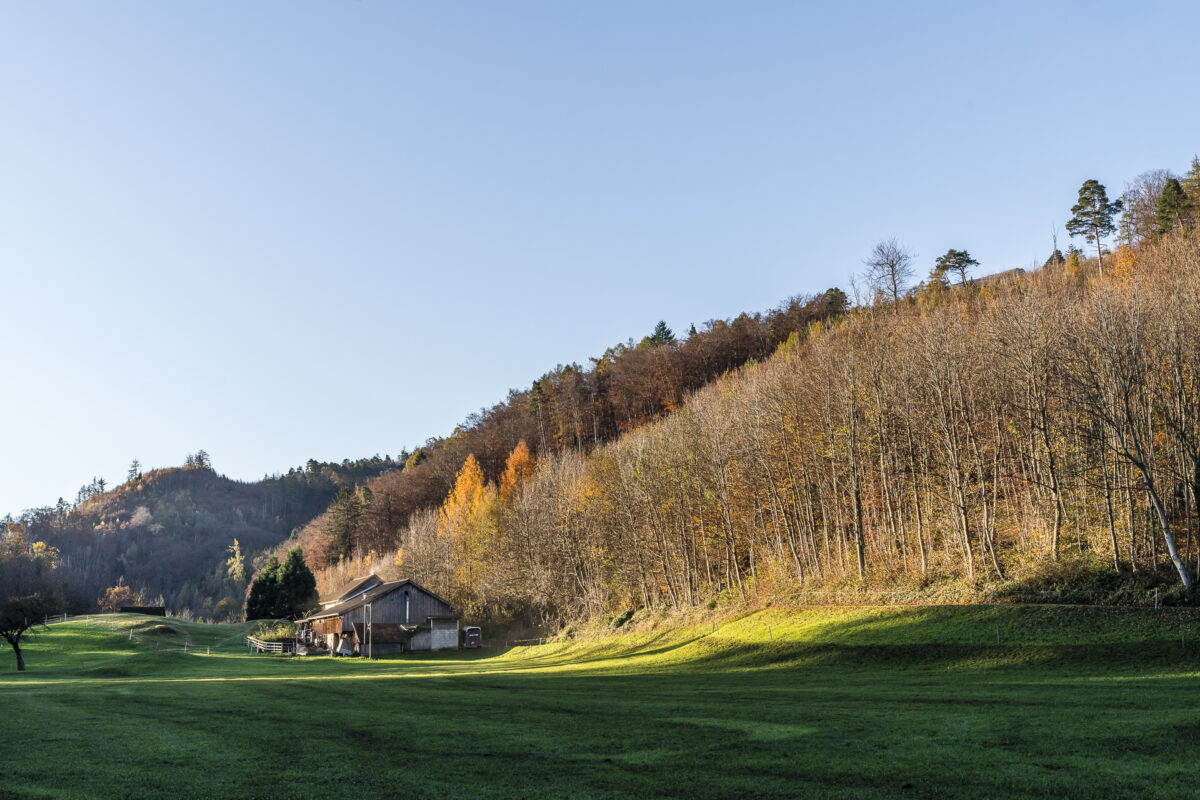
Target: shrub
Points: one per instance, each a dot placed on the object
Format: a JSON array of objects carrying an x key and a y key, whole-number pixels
[
  {"x": 622, "y": 618},
  {"x": 276, "y": 630}
]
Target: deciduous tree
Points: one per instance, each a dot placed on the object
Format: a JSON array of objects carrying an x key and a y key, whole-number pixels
[
  {"x": 889, "y": 268},
  {"x": 29, "y": 588}
]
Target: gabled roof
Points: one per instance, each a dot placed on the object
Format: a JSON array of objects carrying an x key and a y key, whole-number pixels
[
  {"x": 369, "y": 596},
  {"x": 354, "y": 587}
]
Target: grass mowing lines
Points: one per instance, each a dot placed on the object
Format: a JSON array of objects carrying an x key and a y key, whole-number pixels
[{"x": 862, "y": 704}]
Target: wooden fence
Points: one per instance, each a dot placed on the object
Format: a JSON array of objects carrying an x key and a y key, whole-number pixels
[{"x": 258, "y": 645}]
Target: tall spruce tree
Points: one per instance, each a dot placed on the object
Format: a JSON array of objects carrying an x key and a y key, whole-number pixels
[
  {"x": 1092, "y": 216},
  {"x": 296, "y": 588},
  {"x": 261, "y": 602},
  {"x": 1191, "y": 182},
  {"x": 284, "y": 590},
  {"x": 662, "y": 334},
  {"x": 1174, "y": 209}
]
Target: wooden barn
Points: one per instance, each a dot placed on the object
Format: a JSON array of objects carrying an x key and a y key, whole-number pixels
[{"x": 371, "y": 615}]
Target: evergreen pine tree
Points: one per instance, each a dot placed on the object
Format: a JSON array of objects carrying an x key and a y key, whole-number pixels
[
  {"x": 1174, "y": 208},
  {"x": 296, "y": 588},
  {"x": 262, "y": 600},
  {"x": 1191, "y": 183},
  {"x": 1092, "y": 215},
  {"x": 958, "y": 261},
  {"x": 341, "y": 526},
  {"x": 662, "y": 334}
]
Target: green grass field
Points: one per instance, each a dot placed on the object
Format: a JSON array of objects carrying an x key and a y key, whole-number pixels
[{"x": 1075, "y": 702}]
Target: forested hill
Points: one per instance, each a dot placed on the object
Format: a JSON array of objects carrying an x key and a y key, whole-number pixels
[
  {"x": 1026, "y": 436},
  {"x": 169, "y": 534},
  {"x": 569, "y": 409}
]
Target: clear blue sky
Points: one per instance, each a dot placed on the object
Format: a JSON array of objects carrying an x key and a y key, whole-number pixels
[{"x": 283, "y": 230}]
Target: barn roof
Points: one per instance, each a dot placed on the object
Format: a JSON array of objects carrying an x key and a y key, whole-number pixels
[
  {"x": 352, "y": 588},
  {"x": 370, "y": 596}
]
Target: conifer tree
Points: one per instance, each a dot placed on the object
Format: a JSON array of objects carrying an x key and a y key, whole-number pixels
[
  {"x": 958, "y": 261},
  {"x": 519, "y": 468},
  {"x": 662, "y": 334},
  {"x": 284, "y": 590},
  {"x": 1092, "y": 216},
  {"x": 1191, "y": 182},
  {"x": 1174, "y": 209},
  {"x": 296, "y": 588},
  {"x": 261, "y": 602}
]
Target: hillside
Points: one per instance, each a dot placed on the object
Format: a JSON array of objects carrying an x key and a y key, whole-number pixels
[
  {"x": 829, "y": 703},
  {"x": 1031, "y": 438},
  {"x": 168, "y": 533},
  {"x": 571, "y": 409}
]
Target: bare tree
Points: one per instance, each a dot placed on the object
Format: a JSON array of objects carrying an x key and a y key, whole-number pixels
[
  {"x": 889, "y": 268},
  {"x": 1141, "y": 204}
]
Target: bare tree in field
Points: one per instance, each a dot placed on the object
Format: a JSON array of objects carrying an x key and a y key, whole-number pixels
[{"x": 889, "y": 269}]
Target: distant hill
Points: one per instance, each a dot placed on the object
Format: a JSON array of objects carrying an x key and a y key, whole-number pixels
[{"x": 170, "y": 532}]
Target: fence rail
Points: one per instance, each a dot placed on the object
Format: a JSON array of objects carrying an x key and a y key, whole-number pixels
[{"x": 269, "y": 647}]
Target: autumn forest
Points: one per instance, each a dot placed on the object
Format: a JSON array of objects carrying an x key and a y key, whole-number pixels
[{"x": 1026, "y": 435}]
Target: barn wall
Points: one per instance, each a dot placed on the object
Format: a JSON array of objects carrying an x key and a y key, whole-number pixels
[
  {"x": 444, "y": 635},
  {"x": 390, "y": 608}
]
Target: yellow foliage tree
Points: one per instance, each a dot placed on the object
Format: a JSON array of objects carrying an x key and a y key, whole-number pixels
[
  {"x": 468, "y": 520},
  {"x": 519, "y": 468},
  {"x": 116, "y": 597}
]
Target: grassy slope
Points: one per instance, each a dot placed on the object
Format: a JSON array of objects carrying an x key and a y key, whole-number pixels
[{"x": 829, "y": 703}]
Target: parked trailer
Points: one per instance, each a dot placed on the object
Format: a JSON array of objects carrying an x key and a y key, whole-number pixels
[{"x": 472, "y": 636}]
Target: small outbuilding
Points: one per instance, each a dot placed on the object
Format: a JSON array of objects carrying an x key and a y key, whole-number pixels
[
  {"x": 371, "y": 615},
  {"x": 153, "y": 611}
]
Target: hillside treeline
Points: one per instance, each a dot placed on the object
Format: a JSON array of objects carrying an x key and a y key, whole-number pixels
[
  {"x": 566, "y": 410},
  {"x": 183, "y": 536},
  {"x": 983, "y": 439}
]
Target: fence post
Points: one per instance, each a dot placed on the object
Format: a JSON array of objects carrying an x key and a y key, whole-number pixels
[
  {"x": 997, "y": 635},
  {"x": 185, "y": 644},
  {"x": 770, "y": 636},
  {"x": 131, "y": 634}
]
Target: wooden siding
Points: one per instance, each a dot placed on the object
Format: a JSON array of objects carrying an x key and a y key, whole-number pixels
[
  {"x": 333, "y": 625},
  {"x": 391, "y": 608}
]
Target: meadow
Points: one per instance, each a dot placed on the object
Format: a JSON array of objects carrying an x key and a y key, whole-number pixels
[{"x": 830, "y": 703}]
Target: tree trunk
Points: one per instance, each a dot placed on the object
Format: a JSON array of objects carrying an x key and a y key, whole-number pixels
[
  {"x": 15, "y": 642},
  {"x": 1180, "y": 567}
]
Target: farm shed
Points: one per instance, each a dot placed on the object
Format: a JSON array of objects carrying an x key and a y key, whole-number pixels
[{"x": 387, "y": 617}]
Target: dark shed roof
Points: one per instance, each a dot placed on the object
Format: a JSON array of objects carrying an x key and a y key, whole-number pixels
[{"x": 356, "y": 586}]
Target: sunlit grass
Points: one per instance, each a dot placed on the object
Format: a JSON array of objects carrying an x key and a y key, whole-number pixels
[{"x": 779, "y": 703}]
